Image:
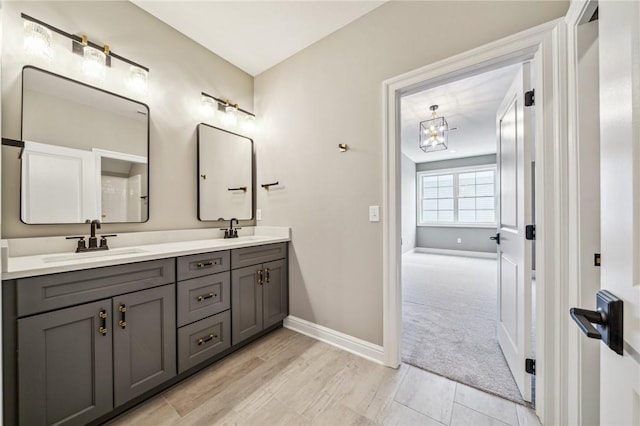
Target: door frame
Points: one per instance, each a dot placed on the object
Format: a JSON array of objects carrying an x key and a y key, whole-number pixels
[
  {"x": 546, "y": 44},
  {"x": 578, "y": 393}
]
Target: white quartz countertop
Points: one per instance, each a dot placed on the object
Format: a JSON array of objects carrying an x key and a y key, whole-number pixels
[{"x": 41, "y": 264}]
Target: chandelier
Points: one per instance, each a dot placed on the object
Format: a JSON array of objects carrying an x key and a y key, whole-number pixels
[{"x": 434, "y": 132}]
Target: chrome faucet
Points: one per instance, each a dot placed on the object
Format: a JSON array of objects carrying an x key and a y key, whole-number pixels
[{"x": 231, "y": 232}]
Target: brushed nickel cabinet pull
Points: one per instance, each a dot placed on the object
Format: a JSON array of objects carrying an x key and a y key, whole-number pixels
[
  {"x": 205, "y": 264},
  {"x": 268, "y": 278},
  {"x": 123, "y": 321},
  {"x": 208, "y": 296},
  {"x": 260, "y": 277},
  {"x": 204, "y": 340},
  {"x": 103, "y": 322}
]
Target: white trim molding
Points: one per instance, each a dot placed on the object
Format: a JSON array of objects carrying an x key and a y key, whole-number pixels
[
  {"x": 335, "y": 338},
  {"x": 546, "y": 46},
  {"x": 463, "y": 253},
  {"x": 579, "y": 392}
]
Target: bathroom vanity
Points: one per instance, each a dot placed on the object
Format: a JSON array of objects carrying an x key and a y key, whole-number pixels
[{"x": 87, "y": 336}]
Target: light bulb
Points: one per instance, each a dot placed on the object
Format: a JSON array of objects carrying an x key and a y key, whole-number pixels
[
  {"x": 249, "y": 124},
  {"x": 94, "y": 63},
  {"x": 230, "y": 117},
  {"x": 432, "y": 127},
  {"x": 37, "y": 40},
  {"x": 208, "y": 107},
  {"x": 441, "y": 128},
  {"x": 138, "y": 79}
]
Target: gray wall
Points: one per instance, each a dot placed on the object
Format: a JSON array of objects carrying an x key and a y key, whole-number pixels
[
  {"x": 473, "y": 239},
  {"x": 331, "y": 93},
  {"x": 409, "y": 198},
  {"x": 180, "y": 70},
  {"x": 443, "y": 237}
]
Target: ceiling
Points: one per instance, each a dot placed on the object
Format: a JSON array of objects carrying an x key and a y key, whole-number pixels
[
  {"x": 256, "y": 35},
  {"x": 469, "y": 105}
]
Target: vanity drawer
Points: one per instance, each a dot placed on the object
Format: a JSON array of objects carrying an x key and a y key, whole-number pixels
[
  {"x": 201, "y": 297},
  {"x": 254, "y": 255},
  {"x": 48, "y": 292},
  {"x": 201, "y": 340},
  {"x": 199, "y": 265}
]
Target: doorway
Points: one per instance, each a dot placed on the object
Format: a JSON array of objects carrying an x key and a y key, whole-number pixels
[
  {"x": 452, "y": 302},
  {"x": 544, "y": 44}
]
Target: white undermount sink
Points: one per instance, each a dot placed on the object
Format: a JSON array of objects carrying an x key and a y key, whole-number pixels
[{"x": 91, "y": 254}]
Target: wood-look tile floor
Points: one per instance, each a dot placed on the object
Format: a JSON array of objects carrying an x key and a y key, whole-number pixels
[{"x": 287, "y": 378}]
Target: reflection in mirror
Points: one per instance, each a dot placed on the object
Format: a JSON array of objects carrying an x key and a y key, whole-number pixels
[
  {"x": 85, "y": 153},
  {"x": 225, "y": 175}
]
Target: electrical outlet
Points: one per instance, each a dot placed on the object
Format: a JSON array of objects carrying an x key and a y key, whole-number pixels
[
  {"x": 258, "y": 214},
  {"x": 459, "y": 240}
]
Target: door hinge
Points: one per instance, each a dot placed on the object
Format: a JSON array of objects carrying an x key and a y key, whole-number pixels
[
  {"x": 530, "y": 366},
  {"x": 596, "y": 259},
  {"x": 530, "y": 232},
  {"x": 530, "y": 98}
]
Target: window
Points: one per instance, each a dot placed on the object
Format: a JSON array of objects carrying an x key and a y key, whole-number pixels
[{"x": 457, "y": 197}]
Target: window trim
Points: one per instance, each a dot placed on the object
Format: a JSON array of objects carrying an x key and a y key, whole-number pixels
[{"x": 455, "y": 171}]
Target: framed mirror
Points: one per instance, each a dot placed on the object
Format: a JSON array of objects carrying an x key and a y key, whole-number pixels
[
  {"x": 225, "y": 175},
  {"x": 85, "y": 155}
]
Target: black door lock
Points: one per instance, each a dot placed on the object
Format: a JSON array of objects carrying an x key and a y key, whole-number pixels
[{"x": 608, "y": 319}]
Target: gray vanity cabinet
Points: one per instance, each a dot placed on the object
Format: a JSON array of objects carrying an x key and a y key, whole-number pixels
[
  {"x": 65, "y": 365},
  {"x": 246, "y": 303},
  {"x": 274, "y": 292},
  {"x": 81, "y": 346},
  {"x": 258, "y": 292},
  {"x": 110, "y": 337},
  {"x": 203, "y": 304},
  {"x": 144, "y": 341}
]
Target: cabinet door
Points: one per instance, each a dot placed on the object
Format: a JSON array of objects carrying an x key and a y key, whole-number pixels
[
  {"x": 246, "y": 303},
  {"x": 144, "y": 341},
  {"x": 274, "y": 292},
  {"x": 65, "y": 366}
]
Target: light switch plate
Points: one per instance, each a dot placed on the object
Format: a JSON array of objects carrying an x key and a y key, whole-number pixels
[
  {"x": 258, "y": 214},
  {"x": 374, "y": 213}
]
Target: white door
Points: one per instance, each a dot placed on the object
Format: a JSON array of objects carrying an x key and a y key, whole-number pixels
[
  {"x": 57, "y": 184},
  {"x": 619, "y": 37},
  {"x": 134, "y": 202},
  {"x": 514, "y": 213}
]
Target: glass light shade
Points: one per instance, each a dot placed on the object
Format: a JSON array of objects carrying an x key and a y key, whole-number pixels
[
  {"x": 434, "y": 134},
  {"x": 138, "y": 79},
  {"x": 94, "y": 63},
  {"x": 230, "y": 117},
  {"x": 208, "y": 107},
  {"x": 37, "y": 40},
  {"x": 249, "y": 124}
]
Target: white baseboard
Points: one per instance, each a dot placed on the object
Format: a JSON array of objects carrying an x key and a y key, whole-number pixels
[
  {"x": 465, "y": 253},
  {"x": 343, "y": 341}
]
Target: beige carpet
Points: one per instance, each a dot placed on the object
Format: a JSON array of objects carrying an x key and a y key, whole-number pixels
[{"x": 449, "y": 321}]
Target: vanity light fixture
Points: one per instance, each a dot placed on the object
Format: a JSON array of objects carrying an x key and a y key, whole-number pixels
[
  {"x": 249, "y": 124},
  {"x": 138, "y": 79},
  {"x": 37, "y": 40},
  {"x": 94, "y": 63},
  {"x": 208, "y": 107},
  {"x": 39, "y": 35},
  {"x": 231, "y": 110},
  {"x": 231, "y": 114},
  {"x": 434, "y": 133}
]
